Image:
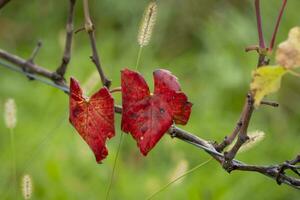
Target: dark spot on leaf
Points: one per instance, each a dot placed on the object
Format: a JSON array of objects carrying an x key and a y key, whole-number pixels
[
  {"x": 76, "y": 111},
  {"x": 144, "y": 129}
]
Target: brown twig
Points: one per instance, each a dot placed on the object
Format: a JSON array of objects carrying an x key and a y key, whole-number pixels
[
  {"x": 61, "y": 70},
  {"x": 272, "y": 171},
  {"x": 90, "y": 29},
  {"x": 259, "y": 26},
  {"x": 3, "y": 3},
  {"x": 29, "y": 67},
  {"x": 227, "y": 160},
  {"x": 35, "y": 52},
  {"x": 242, "y": 136},
  {"x": 117, "y": 89},
  {"x": 246, "y": 117},
  {"x": 229, "y": 139},
  {"x": 269, "y": 103},
  {"x": 292, "y": 165},
  {"x": 241, "y": 130}
]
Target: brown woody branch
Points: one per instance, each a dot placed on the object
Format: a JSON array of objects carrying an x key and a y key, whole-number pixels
[
  {"x": 90, "y": 29},
  {"x": 275, "y": 172},
  {"x": 30, "y": 67},
  {"x": 241, "y": 129},
  {"x": 61, "y": 70},
  {"x": 3, "y": 3}
]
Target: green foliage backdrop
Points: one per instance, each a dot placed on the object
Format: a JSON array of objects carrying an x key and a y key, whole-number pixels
[{"x": 201, "y": 42}]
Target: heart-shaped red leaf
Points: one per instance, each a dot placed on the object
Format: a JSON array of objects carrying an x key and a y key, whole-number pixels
[
  {"x": 148, "y": 116},
  {"x": 93, "y": 118}
]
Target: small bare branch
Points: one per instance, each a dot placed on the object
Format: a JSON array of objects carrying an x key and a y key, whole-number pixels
[
  {"x": 30, "y": 67},
  {"x": 269, "y": 103},
  {"x": 272, "y": 171},
  {"x": 90, "y": 29},
  {"x": 3, "y": 3},
  {"x": 276, "y": 172},
  {"x": 259, "y": 26},
  {"x": 229, "y": 139},
  {"x": 35, "y": 52},
  {"x": 277, "y": 25},
  {"x": 61, "y": 70}
]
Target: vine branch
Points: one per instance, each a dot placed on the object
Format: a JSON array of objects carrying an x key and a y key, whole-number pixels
[
  {"x": 90, "y": 29},
  {"x": 226, "y": 160},
  {"x": 276, "y": 172},
  {"x": 61, "y": 70},
  {"x": 3, "y": 3}
]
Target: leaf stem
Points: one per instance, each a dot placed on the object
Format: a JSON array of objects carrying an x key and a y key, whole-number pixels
[
  {"x": 179, "y": 177},
  {"x": 114, "y": 167},
  {"x": 277, "y": 25},
  {"x": 259, "y": 26}
]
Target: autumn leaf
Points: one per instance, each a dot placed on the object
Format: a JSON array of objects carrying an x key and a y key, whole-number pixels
[
  {"x": 93, "y": 118},
  {"x": 266, "y": 80},
  {"x": 148, "y": 116},
  {"x": 288, "y": 52}
]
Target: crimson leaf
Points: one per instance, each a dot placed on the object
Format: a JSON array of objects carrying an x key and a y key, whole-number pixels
[
  {"x": 148, "y": 116},
  {"x": 93, "y": 118}
]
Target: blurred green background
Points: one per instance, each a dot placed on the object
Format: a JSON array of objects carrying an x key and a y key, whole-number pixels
[{"x": 202, "y": 42}]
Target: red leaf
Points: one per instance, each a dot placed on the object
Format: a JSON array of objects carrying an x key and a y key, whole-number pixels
[
  {"x": 93, "y": 118},
  {"x": 148, "y": 116}
]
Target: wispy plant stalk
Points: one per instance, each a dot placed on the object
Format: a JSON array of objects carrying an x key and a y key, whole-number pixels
[
  {"x": 114, "y": 167},
  {"x": 178, "y": 178},
  {"x": 10, "y": 122},
  {"x": 146, "y": 28}
]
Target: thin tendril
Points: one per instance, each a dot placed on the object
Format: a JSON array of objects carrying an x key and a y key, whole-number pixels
[
  {"x": 114, "y": 167},
  {"x": 43, "y": 142},
  {"x": 294, "y": 73},
  {"x": 13, "y": 154},
  {"x": 179, "y": 177}
]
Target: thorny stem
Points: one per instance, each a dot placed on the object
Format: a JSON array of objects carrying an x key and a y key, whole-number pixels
[
  {"x": 90, "y": 29},
  {"x": 277, "y": 25},
  {"x": 61, "y": 70},
  {"x": 259, "y": 25}
]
